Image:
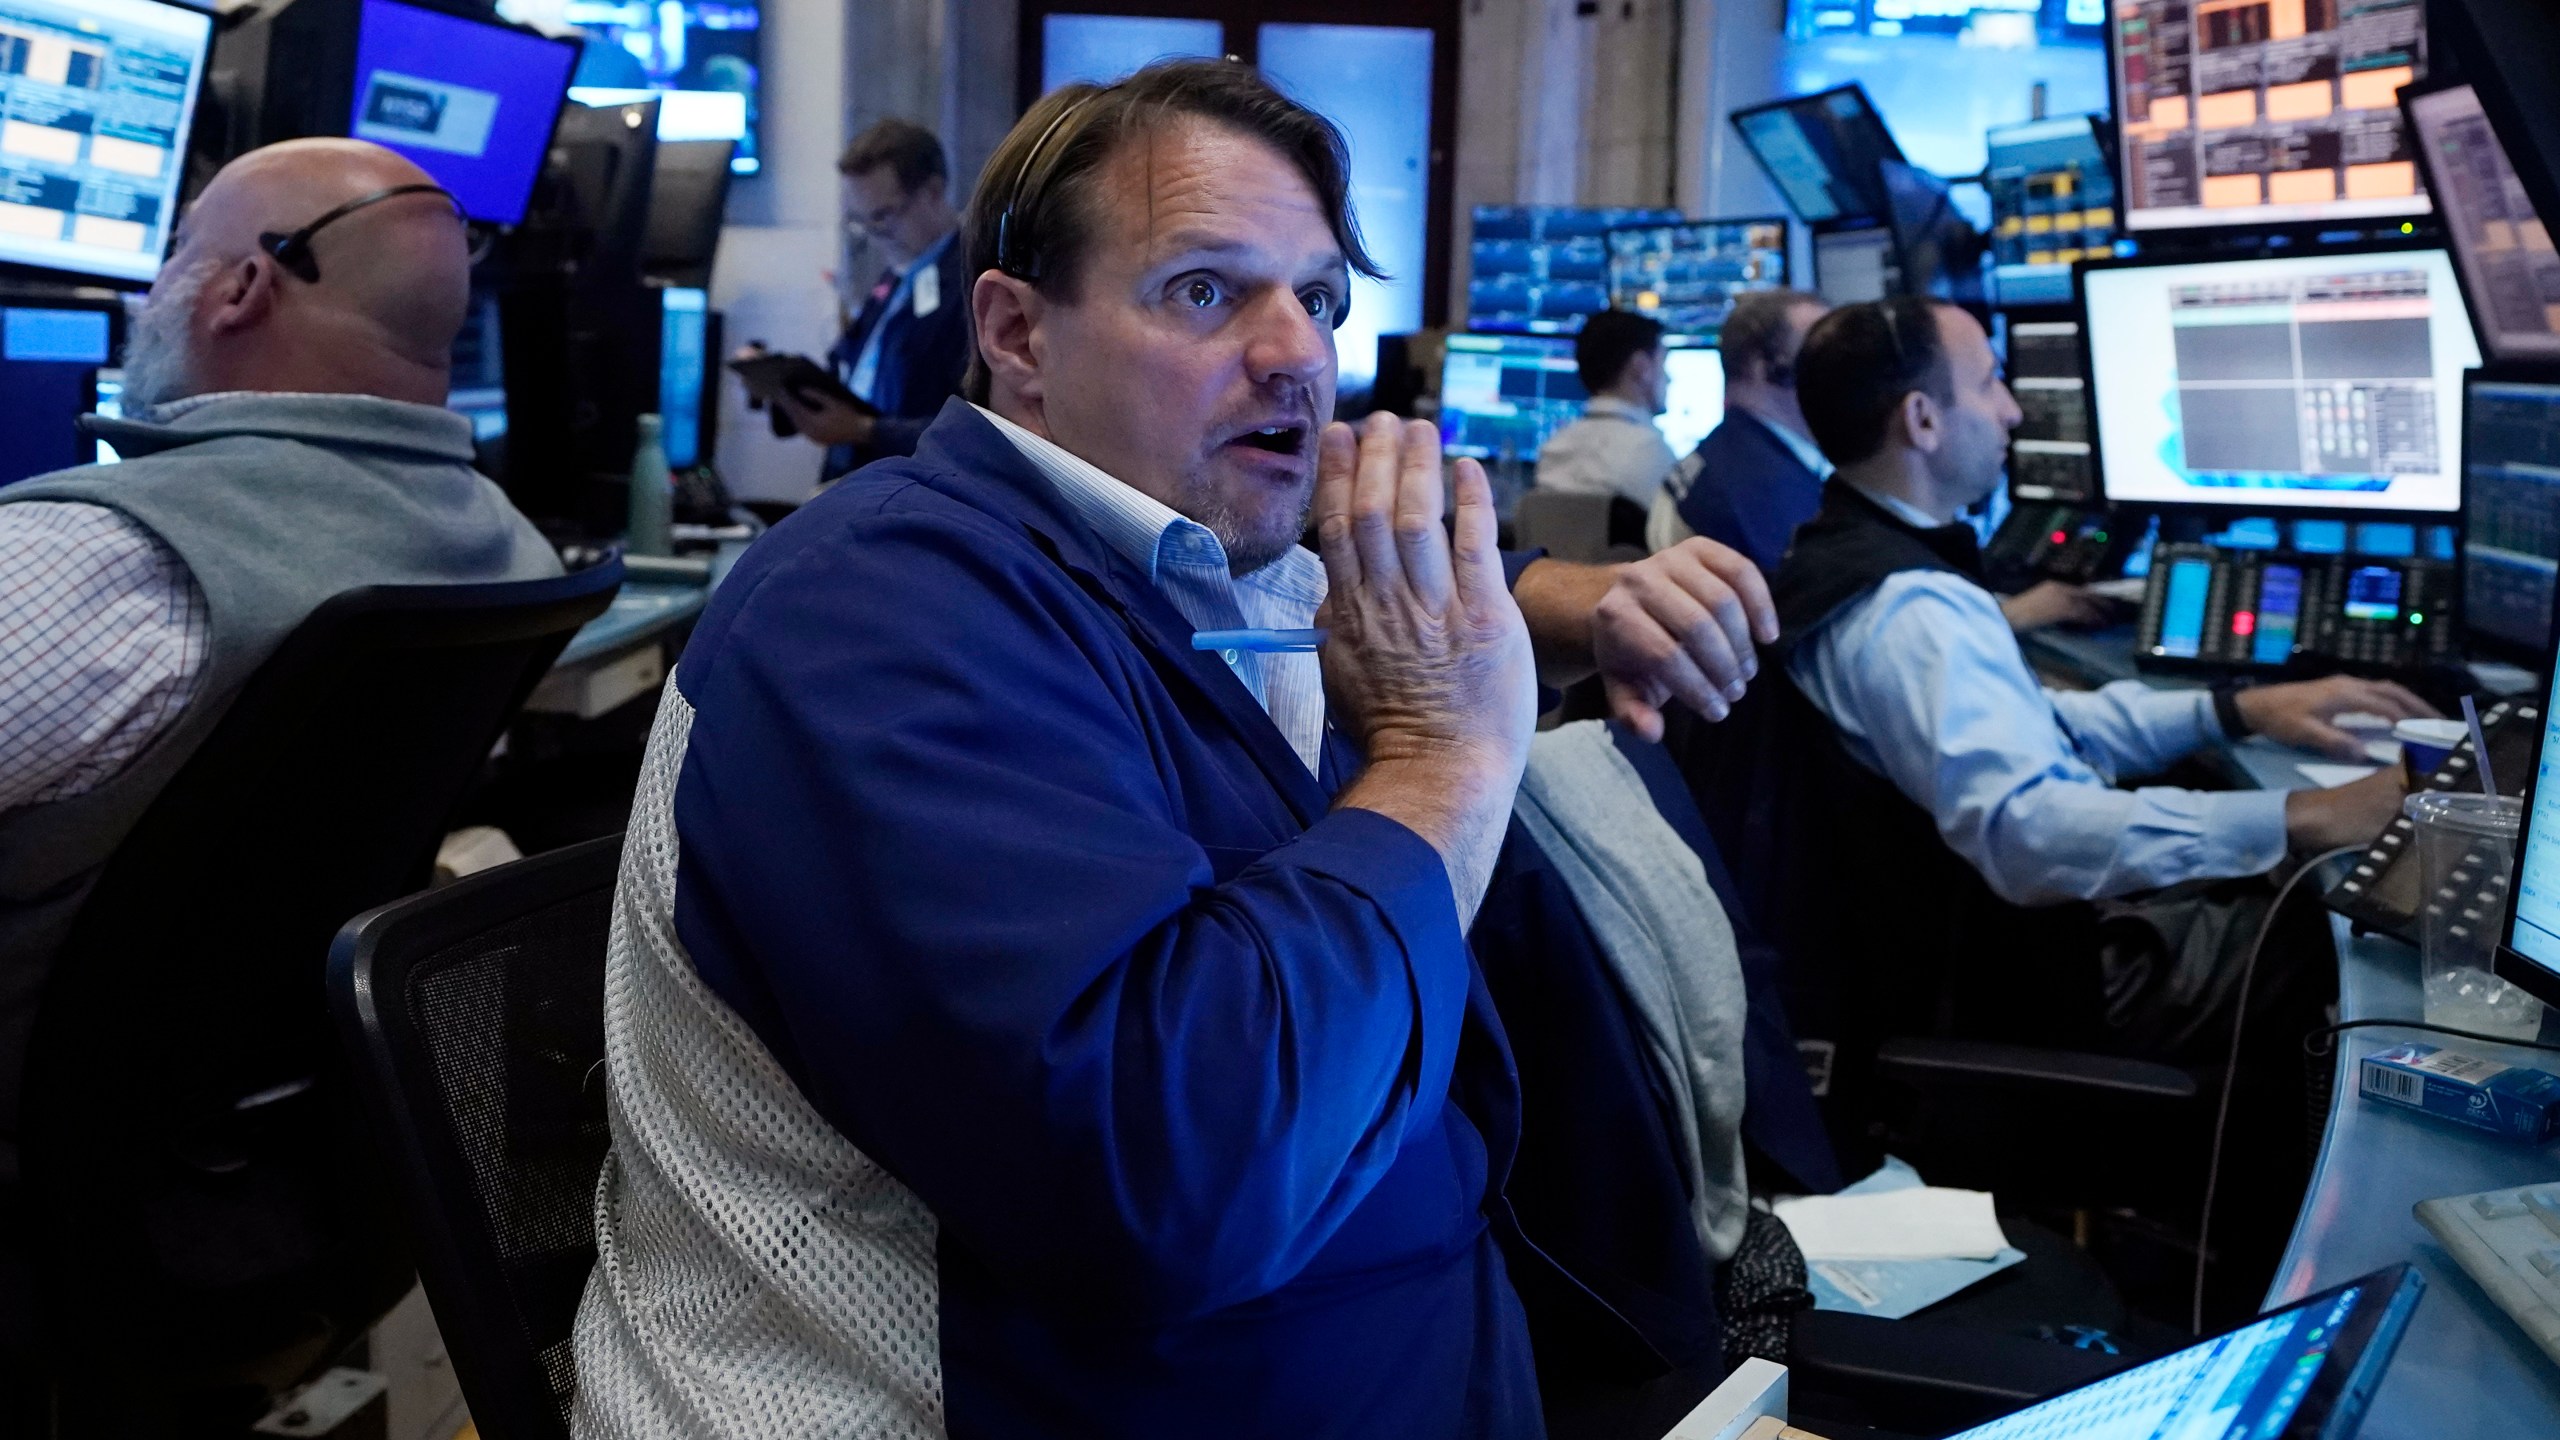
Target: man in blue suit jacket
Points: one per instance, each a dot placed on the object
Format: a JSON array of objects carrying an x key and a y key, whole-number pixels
[
  {"x": 1758, "y": 475},
  {"x": 908, "y": 346},
  {"x": 1024, "y": 1021}
]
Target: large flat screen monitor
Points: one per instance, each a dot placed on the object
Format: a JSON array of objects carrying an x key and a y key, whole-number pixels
[
  {"x": 2053, "y": 202},
  {"x": 96, "y": 100},
  {"x": 1853, "y": 266},
  {"x": 1687, "y": 276},
  {"x": 2529, "y": 942},
  {"x": 2264, "y": 112},
  {"x": 700, "y": 59},
  {"x": 1543, "y": 269},
  {"x": 1501, "y": 396},
  {"x": 1824, "y": 152},
  {"x": 2509, "y": 268},
  {"x": 472, "y": 103},
  {"x": 688, "y": 200},
  {"x": 2511, "y": 512},
  {"x": 50, "y": 355},
  {"x": 2326, "y": 381},
  {"x": 1693, "y": 395}
]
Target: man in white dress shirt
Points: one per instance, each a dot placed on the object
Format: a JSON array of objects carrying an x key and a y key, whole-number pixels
[{"x": 1614, "y": 449}]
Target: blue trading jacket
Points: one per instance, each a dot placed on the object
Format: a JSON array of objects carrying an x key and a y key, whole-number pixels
[
  {"x": 1751, "y": 492},
  {"x": 1043, "y": 914}
]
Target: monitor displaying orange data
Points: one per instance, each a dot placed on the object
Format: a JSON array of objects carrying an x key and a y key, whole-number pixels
[{"x": 2265, "y": 112}]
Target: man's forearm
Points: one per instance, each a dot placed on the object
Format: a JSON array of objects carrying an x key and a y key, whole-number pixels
[
  {"x": 1461, "y": 808},
  {"x": 1556, "y": 599}
]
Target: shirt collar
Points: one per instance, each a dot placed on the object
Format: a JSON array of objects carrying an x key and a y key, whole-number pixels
[
  {"x": 1137, "y": 526},
  {"x": 1612, "y": 405},
  {"x": 932, "y": 253},
  {"x": 1902, "y": 510}
]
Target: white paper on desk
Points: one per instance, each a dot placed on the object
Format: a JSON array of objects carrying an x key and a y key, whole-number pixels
[
  {"x": 1921, "y": 1223},
  {"x": 2330, "y": 777},
  {"x": 2130, "y": 589}
]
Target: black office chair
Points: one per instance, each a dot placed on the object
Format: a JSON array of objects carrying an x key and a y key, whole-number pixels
[
  {"x": 204, "y": 1212},
  {"x": 474, "y": 1018}
]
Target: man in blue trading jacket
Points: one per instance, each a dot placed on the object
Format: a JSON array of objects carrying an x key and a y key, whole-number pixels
[
  {"x": 1758, "y": 475},
  {"x": 909, "y": 345},
  {"x": 1022, "y": 1022}
]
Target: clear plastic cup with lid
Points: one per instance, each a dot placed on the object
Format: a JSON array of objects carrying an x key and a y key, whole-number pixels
[{"x": 2466, "y": 859}]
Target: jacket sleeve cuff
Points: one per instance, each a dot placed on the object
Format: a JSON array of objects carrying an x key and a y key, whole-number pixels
[{"x": 1515, "y": 561}]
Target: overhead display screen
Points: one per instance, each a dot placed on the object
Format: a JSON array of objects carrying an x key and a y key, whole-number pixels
[
  {"x": 96, "y": 97},
  {"x": 2313, "y": 381},
  {"x": 472, "y": 104},
  {"x": 2263, "y": 112}
]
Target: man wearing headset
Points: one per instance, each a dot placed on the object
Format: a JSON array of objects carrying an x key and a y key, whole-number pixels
[
  {"x": 286, "y": 440},
  {"x": 1033, "y": 1012}
]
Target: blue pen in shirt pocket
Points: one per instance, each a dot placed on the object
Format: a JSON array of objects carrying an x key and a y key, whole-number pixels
[{"x": 1260, "y": 642}]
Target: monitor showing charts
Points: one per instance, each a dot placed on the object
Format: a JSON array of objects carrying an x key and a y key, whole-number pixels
[
  {"x": 1501, "y": 396},
  {"x": 472, "y": 103},
  {"x": 2533, "y": 918},
  {"x": 96, "y": 100},
  {"x": 1824, "y": 152},
  {"x": 2053, "y": 201},
  {"x": 1851, "y": 266},
  {"x": 50, "y": 354},
  {"x": 2328, "y": 381},
  {"x": 2511, "y": 510},
  {"x": 2264, "y": 112},
  {"x": 1541, "y": 269},
  {"x": 1693, "y": 395},
  {"x": 1688, "y": 275},
  {"x": 701, "y": 59},
  {"x": 2509, "y": 267}
]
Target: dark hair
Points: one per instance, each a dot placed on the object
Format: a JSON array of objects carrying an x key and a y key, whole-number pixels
[
  {"x": 1033, "y": 216},
  {"x": 1608, "y": 341},
  {"x": 909, "y": 150},
  {"x": 1755, "y": 333},
  {"x": 1857, "y": 364}
]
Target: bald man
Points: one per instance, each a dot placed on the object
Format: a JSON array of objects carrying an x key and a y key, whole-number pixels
[{"x": 286, "y": 443}]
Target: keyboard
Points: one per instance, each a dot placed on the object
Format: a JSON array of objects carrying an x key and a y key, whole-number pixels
[{"x": 2509, "y": 1242}]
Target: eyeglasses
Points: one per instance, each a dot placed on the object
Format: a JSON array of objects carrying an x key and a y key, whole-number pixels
[
  {"x": 293, "y": 251},
  {"x": 874, "y": 221}
]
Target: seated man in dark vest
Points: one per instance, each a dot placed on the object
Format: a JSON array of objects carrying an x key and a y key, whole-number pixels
[
  {"x": 287, "y": 442},
  {"x": 1975, "y": 815}
]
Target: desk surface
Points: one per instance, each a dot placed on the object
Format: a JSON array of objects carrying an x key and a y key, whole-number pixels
[
  {"x": 2464, "y": 1368},
  {"x": 643, "y": 610}
]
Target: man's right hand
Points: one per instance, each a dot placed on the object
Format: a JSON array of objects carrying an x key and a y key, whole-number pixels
[
  {"x": 1426, "y": 659},
  {"x": 2351, "y": 814}
]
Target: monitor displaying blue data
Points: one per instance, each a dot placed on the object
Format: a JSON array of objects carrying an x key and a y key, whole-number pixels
[
  {"x": 2325, "y": 381},
  {"x": 1543, "y": 269},
  {"x": 96, "y": 100},
  {"x": 1824, "y": 152},
  {"x": 2533, "y": 931},
  {"x": 1687, "y": 276},
  {"x": 1693, "y": 395},
  {"x": 682, "y": 364},
  {"x": 1501, "y": 396},
  {"x": 2053, "y": 202},
  {"x": 2511, "y": 513},
  {"x": 49, "y": 360},
  {"x": 472, "y": 104}
]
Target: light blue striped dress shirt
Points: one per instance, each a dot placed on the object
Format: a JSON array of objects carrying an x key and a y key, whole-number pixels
[
  {"x": 1187, "y": 562},
  {"x": 1928, "y": 688}
]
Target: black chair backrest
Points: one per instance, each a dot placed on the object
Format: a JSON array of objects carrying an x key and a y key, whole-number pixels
[
  {"x": 200, "y": 1192},
  {"x": 474, "y": 1017}
]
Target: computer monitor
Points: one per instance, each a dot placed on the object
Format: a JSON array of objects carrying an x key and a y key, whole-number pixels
[
  {"x": 1501, "y": 396},
  {"x": 688, "y": 199},
  {"x": 2053, "y": 201},
  {"x": 1687, "y": 276},
  {"x": 471, "y": 102},
  {"x": 683, "y": 361},
  {"x": 1853, "y": 266},
  {"x": 1693, "y": 395},
  {"x": 2319, "y": 381},
  {"x": 700, "y": 59},
  {"x": 1823, "y": 151},
  {"x": 2511, "y": 512},
  {"x": 98, "y": 98},
  {"x": 2232, "y": 114},
  {"x": 1543, "y": 269},
  {"x": 108, "y": 406},
  {"x": 2510, "y": 271},
  {"x": 2529, "y": 938},
  {"x": 50, "y": 354}
]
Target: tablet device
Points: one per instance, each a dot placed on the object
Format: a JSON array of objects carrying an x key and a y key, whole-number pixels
[
  {"x": 2305, "y": 1372},
  {"x": 769, "y": 375}
]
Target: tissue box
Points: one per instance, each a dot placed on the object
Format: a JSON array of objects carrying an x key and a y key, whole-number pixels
[{"x": 2511, "y": 1100}]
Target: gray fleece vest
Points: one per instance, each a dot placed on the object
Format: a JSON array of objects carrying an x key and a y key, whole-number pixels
[{"x": 275, "y": 503}]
